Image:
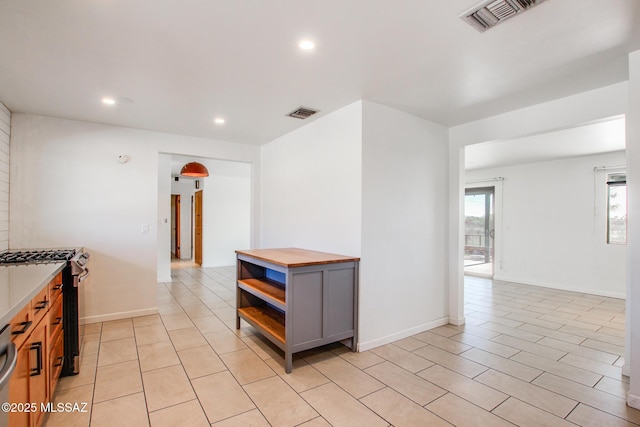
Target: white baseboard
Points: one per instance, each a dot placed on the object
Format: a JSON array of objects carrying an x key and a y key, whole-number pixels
[
  {"x": 118, "y": 316},
  {"x": 456, "y": 320},
  {"x": 590, "y": 291},
  {"x": 633, "y": 400},
  {"x": 165, "y": 279},
  {"x": 364, "y": 346}
]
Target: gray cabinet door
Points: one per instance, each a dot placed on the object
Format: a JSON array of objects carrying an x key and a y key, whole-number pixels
[
  {"x": 338, "y": 310},
  {"x": 307, "y": 307},
  {"x": 322, "y": 305}
]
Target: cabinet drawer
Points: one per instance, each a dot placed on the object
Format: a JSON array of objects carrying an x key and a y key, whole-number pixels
[
  {"x": 40, "y": 305},
  {"x": 55, "y": 316},
  {"x": 22, "y": 325},
  {"x": 55, "y": 287},
  {"x": 56, "y": 359}
]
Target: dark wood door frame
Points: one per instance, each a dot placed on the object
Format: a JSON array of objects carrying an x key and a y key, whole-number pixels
[
  {"x": 176, "y": 215},
  {"x": 197, "y": 229}
]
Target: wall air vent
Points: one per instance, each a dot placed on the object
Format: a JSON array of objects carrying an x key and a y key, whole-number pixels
[
  {"x": 302, "y": 113},
  {"x": 490, "y": 13}
]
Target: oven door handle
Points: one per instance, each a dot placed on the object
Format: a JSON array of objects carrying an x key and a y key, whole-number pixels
[
  {"x": 83, "y": 276},
  {"x": 9, "y": 365}
]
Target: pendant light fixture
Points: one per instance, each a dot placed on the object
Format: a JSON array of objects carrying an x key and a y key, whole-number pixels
[{"x": 194, "y": 169}]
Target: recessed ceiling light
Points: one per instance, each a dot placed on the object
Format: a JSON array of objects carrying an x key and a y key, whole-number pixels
[
  {"x": 307, "y": 45},
  {"x": 108, "y": 101},
  {"x": 218, "y": 121}
]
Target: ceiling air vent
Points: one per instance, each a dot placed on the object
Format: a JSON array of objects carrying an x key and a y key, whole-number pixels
[
  {"x": 490, "y": 13},
  {"x": 302, "y": 113}
]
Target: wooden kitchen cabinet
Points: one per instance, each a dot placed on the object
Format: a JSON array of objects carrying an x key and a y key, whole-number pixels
[
  {"x": 56, "y": 360},
  {"x": 298, "y": 299},
  {"x": 55, "y": 287},
  {"x": 40, "y": 305},
  {"x": 55, "y": 317},
  {"x": 19, "y": 388},
  {"x": 29, "y": 383},
  {"x": 38, "y": 371},
  {"x": 55, "y": 343},
  {"x": 37, "y": 332},
  {"x": 22, "y": 325}
]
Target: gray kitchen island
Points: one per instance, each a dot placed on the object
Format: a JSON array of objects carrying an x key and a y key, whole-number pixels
[{"x": 297, "y": 298}]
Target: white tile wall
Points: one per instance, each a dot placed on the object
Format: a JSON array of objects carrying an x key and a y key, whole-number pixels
[{"x": 5, "y": 134}]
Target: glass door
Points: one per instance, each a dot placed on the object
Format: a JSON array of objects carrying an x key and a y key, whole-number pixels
[{"x": 479, "y": 231}]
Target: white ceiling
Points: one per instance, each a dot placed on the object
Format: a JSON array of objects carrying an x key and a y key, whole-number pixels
[{"x": 182, "y": 63}]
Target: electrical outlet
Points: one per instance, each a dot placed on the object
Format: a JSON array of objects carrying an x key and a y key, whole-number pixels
[{"x": 145, "y": 229}]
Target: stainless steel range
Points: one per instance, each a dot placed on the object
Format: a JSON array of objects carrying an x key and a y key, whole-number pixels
[{"x": 74, "y": 273}]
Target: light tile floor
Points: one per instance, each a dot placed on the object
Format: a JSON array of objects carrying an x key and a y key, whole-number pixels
[{"x": 527, "y": 356}]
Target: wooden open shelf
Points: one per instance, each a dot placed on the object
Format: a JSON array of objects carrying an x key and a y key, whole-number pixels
[
  {"x": 266, "y": 318},
  {"x": 265, "y": 287}
]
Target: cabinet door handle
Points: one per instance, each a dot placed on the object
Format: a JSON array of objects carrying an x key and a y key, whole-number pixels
[
  {"x": 58, "y": 321},
  {"x": 60, "y": 360},
  {"x": 58, "y": 286},
  {"x": 41, "y": 305},
  {"x": 37, "y": 346},
  {"x": 25, "y": 328}
]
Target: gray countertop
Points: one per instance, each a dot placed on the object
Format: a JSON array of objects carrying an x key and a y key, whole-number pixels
[{"x": 20, "y": 283}]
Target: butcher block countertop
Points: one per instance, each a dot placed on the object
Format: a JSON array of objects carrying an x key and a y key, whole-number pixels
[
  {"x": 295, "y": 257},
  {"x": 20, "y": 283}
]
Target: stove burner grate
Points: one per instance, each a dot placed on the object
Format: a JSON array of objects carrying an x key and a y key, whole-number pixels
[{"x": 36, "y": 256}]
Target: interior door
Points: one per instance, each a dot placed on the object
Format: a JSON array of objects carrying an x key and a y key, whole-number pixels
[
  {"x": 479, "y": 232},
  {"x": 175, "y": 224},
  {"x": 197, "y": 229}
]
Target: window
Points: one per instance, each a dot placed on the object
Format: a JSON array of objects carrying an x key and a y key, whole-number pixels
[{"x": 617, "y": 208}]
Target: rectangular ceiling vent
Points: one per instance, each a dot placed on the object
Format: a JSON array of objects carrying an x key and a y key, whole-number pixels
[
  {"x": 490, "y": 13},
  {"x": 302, "y": 113}
]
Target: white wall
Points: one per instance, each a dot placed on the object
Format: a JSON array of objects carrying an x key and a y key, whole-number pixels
[
  {"x": 310, "y": 185},
  {"x": 163, "y": 211},
  {"x": 226, "y": 209},
  {"x": 5, "y": 135},
  {"x": 562, "y": 113},
  {"x": 632, "y": 349},
  {"x": 553, "y": 229},
  {"x": 404, "y": 226},
  {"x": 367, "y": 180},
  {"x": 68, "y": 189}
]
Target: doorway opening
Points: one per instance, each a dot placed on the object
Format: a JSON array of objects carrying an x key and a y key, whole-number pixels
[
  {"x": 186, "y": 230},
  {"x": 479, "y": 231},
  {"x": 186, "y": 220}
]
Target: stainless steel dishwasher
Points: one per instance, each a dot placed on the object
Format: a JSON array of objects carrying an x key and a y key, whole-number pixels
[{"x": 8, "y": 358}]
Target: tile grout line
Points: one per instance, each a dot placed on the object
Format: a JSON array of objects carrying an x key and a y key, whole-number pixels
[{"x": 183, "y": 369}]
